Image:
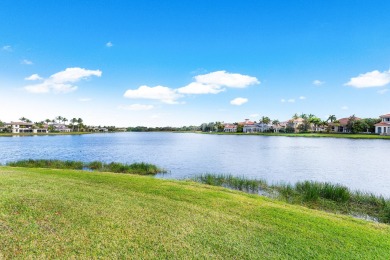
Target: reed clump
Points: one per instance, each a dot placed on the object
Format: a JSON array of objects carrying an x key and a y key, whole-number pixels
[
  {"x": 320, "y": 195},
  {"x": 134, "y": 168}
]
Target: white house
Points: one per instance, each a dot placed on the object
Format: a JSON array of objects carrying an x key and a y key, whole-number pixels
[
  {"x": 60, "y": 127},
  {"x": 256, "y": 127},
  {"x": 23, "y": 127},
  {"x": 383, "y": 127},
  {"x": 230, "y": 128}
]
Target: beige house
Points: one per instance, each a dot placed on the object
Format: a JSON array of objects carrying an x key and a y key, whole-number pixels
[{"x": 383, "y": 127}]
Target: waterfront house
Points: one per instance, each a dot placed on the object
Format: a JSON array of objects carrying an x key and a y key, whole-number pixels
[
  {"x": 383, "y": 127},
  {"x": 256, "y": 127},
  {"x": 60, "y": 128},
  {"x": 295, "y": 123},
  {"x": 341, "y": 126},
  {"x": 24, "y": 127},
  {"x": 230, "y": 128}
]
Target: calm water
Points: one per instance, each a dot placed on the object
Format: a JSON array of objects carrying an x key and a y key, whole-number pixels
[{"x": 359, "y": 164}]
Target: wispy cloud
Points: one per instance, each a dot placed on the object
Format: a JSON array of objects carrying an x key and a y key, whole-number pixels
[
  {"x": 26, "y": 62},
  {"x": 33, "y": 77},
  {"x": 136, "y": 107},
  {"x": 344, "y": 107},
  {"x": 109, "y": 44},
  {"x": 6, "y": 48},
  {"x": 383, "y": 91},
  {"x": 291, "y": 100},
  {"x": 318, "y": 82},
  {"x": 61, "y": 82},
  {"x": 370, "y": 79},
  {"x": 85, "y": 99},
  {"x": 302, "y": 97},
  {"x": 164, "y": 94},
  {"x": 216, "y": 82},
  {"x": 239, "y": 101}
]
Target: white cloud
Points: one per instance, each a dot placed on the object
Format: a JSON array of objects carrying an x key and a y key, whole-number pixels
[
  {"x": 370, "y": 79},
  {"x": 60, "y": 81},
  {"x": 200, "y": 88},
  {"x": 26, "y": 62},
  {"x": 223, "y": 78},
  {"x": 6, "y": 48},
  {"x": 318, "y": 82},
  {"x": 239, "y": 101},
  {"x": 164, "y": 94},
  {"x": 383, "y": 91},
  {"x": 291, "y": 100},
  {"x": 344, "y": 108},
  {"x": 33, "y": 77},
  {"x": 137, "y": 107},
  {"x": 215, "y": 82},
  {"x": 85, "y": 99},
  {"x": 283, "y": 100},
  {"x": 302, "y": 97},
  {"x": 109, "y": 44}
]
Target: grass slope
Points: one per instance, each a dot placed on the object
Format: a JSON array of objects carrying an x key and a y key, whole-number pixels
[{"x": 49, "y": 213}]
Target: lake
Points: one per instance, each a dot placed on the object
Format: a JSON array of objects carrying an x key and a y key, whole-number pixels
[{"x": 358, "y": 164}]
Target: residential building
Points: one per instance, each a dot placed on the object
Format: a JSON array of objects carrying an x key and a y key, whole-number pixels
[
  {"x": 256, "y": 127},
  {"x": 341, "y": 126},
  {"x": 24, "y": 127},
  {"x": 383, "y": 127},
  {"x": 230, "y": 128},
  {"x": 60, "y": 128}
]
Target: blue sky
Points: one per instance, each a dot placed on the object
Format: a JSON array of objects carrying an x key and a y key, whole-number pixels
[{"x": 158, "y": 63}]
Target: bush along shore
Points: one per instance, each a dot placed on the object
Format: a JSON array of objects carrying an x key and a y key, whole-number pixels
[
  {"x": 316, "y": 195},
  {"x": 134, "y": 168}
]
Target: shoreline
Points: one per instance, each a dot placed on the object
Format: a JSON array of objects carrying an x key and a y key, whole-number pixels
[{"x": 309, "y": 135}]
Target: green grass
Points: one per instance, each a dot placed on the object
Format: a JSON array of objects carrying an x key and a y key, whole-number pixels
[
  {"x": 134, "y": 168},
  {"x": 48, "y": 213},
  {"x": 330, "y": 135},
  {"x": 317, "y": 195}
]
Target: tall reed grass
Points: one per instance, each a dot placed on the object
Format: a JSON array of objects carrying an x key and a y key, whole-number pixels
[
  {"x": 135, "y": 168},
  {"x": 320, "y": 195}
]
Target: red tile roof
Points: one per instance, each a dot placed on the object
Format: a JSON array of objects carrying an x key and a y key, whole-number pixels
[
  {"x": 382, "y": 124},
  {"x": 344, "y": 121},
  {"x": 382, "y": 116}
]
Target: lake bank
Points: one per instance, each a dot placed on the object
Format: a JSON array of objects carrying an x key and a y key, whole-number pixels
[
  {"x": 44, "y": 134},
  {"x": 67, "y": 213},
  {"x": 309, "y": 135}
]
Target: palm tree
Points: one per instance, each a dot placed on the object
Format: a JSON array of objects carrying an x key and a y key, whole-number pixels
[
  {"x": 64, "y": 120},
  {"x": 73, "y": 121},
  {"x": 59, "y": 118},
  {"x": 276, "y": 124},
  {"x": 47, "y": 121},
  {"x": 23, "y": 119},
  {"x": 295, "y": 116},
  {"x": 332, "y": 118},
  {"x": 79, "y": 123}
]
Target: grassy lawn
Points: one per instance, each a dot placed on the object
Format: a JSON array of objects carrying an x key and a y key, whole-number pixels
[
  {"x": 47, "y": 213},
  {"x": 330, "y": 135}
]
